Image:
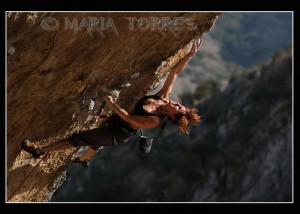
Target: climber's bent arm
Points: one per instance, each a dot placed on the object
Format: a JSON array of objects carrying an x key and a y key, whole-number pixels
[{"x": 136, "y": 121}]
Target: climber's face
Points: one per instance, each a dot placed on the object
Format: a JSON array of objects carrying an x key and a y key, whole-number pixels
[{"x": 172, "y": 108}]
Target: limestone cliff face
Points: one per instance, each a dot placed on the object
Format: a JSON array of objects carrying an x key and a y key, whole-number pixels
[{"x": 52, "y": 57}]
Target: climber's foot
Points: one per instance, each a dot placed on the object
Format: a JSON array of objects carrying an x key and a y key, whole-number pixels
[
  {"x": 84, "y": 163},
  {"x": 31, "y": 149}
]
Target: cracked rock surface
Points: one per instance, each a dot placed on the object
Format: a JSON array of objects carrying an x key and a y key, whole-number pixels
[{"x": 51, "y": 59}]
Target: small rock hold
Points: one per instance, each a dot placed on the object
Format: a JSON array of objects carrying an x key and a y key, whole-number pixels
[
  {"x": 126, "y": 85},
  {"x": 135, "y": 75},
  {"x": 11, "y": 50}
]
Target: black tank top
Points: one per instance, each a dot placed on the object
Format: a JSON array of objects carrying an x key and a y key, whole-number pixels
[{"x": 139, "y": 110}]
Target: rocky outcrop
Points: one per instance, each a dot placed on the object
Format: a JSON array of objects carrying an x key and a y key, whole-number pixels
[
  {"x": 250, "y": 130},
  {"x": 53, "y": 57}
]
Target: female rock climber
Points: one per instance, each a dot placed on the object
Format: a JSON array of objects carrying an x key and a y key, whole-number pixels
[{"x": 147, "y": 112}]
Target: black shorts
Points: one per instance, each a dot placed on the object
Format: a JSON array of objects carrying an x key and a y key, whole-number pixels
[{"x": 104, "y": 136}]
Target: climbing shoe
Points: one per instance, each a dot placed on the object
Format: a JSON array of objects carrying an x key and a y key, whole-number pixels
[
  {"x": 84, "y": 163},
  {"x": 30, "y": 149}
]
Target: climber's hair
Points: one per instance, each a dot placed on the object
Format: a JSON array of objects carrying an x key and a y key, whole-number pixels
[{"x": 190, "y": 118}]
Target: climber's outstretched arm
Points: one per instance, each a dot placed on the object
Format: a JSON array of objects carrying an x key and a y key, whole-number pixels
[{"x": 168, "y": 85}]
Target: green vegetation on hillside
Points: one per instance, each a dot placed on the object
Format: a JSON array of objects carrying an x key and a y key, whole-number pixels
[{"x": 251, "y": 38}]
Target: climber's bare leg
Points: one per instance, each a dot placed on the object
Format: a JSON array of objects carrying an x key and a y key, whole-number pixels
[
  {"x": 89, "y": 153},
  {"x": 56, "y": 146}
]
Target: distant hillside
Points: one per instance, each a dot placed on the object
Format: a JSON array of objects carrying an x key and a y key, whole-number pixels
[
  {"x": 250, "y": 38},
  {"x": 242, "y": 150},
  {"x": 238, "y": 40}
]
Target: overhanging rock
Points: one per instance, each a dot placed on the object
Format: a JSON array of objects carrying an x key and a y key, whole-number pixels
[{"x": 52, "y": 57}]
